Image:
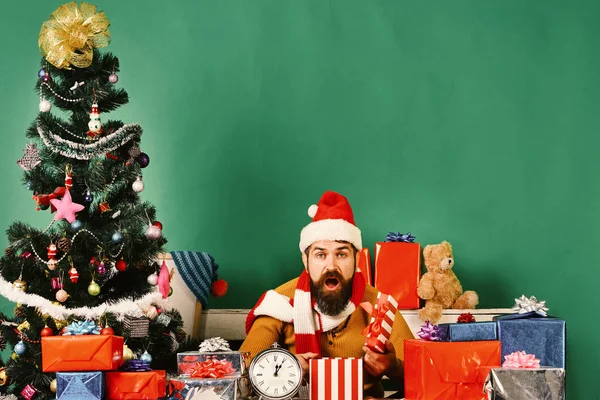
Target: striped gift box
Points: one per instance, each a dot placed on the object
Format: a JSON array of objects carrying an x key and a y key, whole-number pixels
[
  {"x": 336, "y": 379},
  {"x": 380, "y": 327}
]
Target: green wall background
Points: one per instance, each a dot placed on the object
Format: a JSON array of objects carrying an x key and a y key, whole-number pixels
[{"x": 474, "y": 122}]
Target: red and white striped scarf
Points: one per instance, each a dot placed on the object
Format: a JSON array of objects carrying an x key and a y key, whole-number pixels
[{"x": 303, "y": 312}]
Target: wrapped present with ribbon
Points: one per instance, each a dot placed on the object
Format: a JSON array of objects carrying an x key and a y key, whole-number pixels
[
  {"x": 336, "y": 379},
  {"x": 136, "y": 385},
  {"x": 382, "y": 319},
  {"x": 530, "y": 329},
  {"x": 82, "y": 353},
  {"x": 467, "y": 329},
  {"x": 398, "y": 268},
  {"x": 522, "y": 378},
  {"x": 79, "y": 385},
  {"x": 436, "y": 370}
]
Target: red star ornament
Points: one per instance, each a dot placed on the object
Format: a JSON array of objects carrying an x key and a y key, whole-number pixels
[{"x": 65, "y": 208}]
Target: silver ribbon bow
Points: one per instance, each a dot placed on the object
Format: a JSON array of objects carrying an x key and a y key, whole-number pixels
[{"x": 525, "y": 305}]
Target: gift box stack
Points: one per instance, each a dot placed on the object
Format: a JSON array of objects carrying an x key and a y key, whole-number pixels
[
  {"x": 519, "y": 356},
  {"x": 212, "y": 372},
  {"x": 86, "y": 361}
]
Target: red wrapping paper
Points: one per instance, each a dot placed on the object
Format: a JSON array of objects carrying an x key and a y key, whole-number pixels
[
  {"x": 364, "y": 264},
  {"x": 81, "y": 353},
  {"x": 136, "y": 385},
  {"x": 397, "y": 271},
  {"x": 448, "y": 370}
]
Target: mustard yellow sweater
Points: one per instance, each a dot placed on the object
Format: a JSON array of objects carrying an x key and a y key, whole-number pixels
[{"x": 344, "y": 341}]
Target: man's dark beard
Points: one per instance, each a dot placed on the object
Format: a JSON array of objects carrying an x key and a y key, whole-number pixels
[{"x": 331, "y": 303}]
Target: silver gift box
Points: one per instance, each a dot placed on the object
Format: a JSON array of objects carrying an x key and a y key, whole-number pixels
[{"x": 526, "y": 384}]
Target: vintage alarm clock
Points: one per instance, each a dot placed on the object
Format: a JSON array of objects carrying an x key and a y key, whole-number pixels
[{"x": 275, "y": 374}]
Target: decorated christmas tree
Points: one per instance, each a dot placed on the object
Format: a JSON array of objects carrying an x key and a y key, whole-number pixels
[{"x": 94, "y": 266}]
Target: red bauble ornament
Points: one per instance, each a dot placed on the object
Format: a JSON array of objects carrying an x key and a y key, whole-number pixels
[
  {"x": 219, "y": 288},
  {"x": 156, "y": 223},
  {"x": 47, "y": 332},
  {"x": 108, "y": 331},
  {"x": 465, "y": 318},
  {"x": 121, "y": 265},
  {"x": 63, "y": 330}
]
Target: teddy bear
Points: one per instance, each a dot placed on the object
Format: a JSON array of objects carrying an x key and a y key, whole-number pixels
[{"x": 439, "y": 286}]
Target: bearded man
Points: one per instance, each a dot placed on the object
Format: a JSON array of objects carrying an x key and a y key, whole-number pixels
[{"x": 318, "y": 314}]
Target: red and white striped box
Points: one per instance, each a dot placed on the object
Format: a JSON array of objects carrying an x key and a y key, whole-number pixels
[
  {"x": 336, "y": 379},
  {"x": 382, "y": 319}
]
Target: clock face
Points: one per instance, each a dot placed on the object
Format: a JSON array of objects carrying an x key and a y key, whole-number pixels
[{"x": 275, "y": 374}]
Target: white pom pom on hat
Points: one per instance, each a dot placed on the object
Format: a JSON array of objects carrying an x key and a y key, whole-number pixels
[{"x": 332, "y": 220}]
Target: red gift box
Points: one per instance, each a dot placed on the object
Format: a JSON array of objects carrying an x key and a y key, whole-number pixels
[
  {"x": 382, "y": 319},
  {"x": 364, "y": 264},
  {"x": 81, "y": 353},
  {"x": 336, "y": 379},
  {"x": 397, "y": 271},
  {"x": 448, "y": 370},
  {"x": 136, "y": 385}
]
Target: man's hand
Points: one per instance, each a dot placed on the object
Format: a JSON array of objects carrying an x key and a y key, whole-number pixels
[
  {"x": 303, "y": 359},
  {"x": 377, "y": 364}
]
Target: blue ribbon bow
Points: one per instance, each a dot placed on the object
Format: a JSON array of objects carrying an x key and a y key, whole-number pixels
[
  {"x": 82, "y": 328},
  {"x": 399, "y": 237}
]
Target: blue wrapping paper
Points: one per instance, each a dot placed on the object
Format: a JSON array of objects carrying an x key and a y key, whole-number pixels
[
  {"x": 79, "y": 385},
  {"x": 545, "y": 337},
  {"x": 471, "y": 332}
]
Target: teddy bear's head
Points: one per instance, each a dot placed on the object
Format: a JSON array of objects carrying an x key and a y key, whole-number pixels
[{"x": 438, "y": 257}]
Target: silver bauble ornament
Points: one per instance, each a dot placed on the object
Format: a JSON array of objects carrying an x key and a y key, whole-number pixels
[
  {"x": 138, "y": 185},
  {"x": 153, "y": 232},
  {"x": 45, "y": 105}
]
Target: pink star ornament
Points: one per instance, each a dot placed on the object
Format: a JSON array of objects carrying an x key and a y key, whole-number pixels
[{"x": 65, "y": 208}]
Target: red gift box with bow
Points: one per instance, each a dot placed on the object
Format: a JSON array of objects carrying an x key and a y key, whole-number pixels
[
  {"x": 398, "y": 270},
  {"x": 382, "y": 319}
]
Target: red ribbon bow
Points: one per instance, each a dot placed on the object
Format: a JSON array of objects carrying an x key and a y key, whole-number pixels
[
  {"x": 378, "y": 312},
  {"x": 212, "y": 368},
  {"x": 373, "y": 330},
  {"x": 465, "y": 318}
]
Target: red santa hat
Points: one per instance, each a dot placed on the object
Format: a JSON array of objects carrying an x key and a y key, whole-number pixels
[
  {"x": 94, "y": 109},
  {"x": 332, "y": 220}
]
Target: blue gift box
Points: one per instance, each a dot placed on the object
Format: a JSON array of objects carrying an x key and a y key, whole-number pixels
[
  {"x": 468, "y": 332},
  {"x": 79, "y": 385},
  {"x": 545, "y": 337}
]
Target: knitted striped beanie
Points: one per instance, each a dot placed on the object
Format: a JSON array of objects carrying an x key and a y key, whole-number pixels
[{"x": 200, "y": 272}]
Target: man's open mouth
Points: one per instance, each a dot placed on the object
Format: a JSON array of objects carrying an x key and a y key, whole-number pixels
[{"x": 332, "y": 283}]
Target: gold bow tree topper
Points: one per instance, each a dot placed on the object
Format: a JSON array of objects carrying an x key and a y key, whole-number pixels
[{"x": 72, "y": 33}]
